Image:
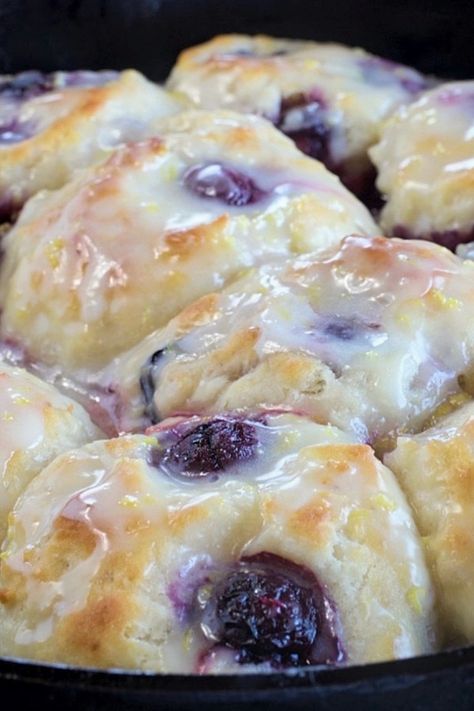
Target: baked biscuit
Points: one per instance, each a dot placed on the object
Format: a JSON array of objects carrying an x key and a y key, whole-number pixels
[
  {"x": 436, "y": 470},
  {"x": 52, "y": 124},
  {"x": 358, "y": 337},
  {"x": 89, "y": 270},
  {"x": 215, "y": 545},
  {"x": 36, "y": 424},
  {"x": 331, "y": 99},
  {"x": 426, "y": 167}
]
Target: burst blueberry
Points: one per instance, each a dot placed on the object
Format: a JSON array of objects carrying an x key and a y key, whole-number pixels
[
  {"x": 269, "y": 609},
  {"x": 212, "y": 447},
  {"x": 345, "y": 328}
]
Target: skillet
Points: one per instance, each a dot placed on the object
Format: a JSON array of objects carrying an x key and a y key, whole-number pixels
[{"x": 435, "y": 37}]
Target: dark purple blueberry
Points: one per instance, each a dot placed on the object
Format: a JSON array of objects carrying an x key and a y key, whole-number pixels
[
  {"x": 83, "y": 78},
  {"x": 362, "y": 183},
  {"x": 382, "y": 72},
  {"x": 148, "y": 385},
  {"x": 345, "y": 328},
  {"x": 228, "y": 185},
  {"x": 342, "y": 329},
  {"x": 8, "y": 209},
  {"x": 269, "y": 609},
  {"x": 303, "y": 119},
  {"x": 209, "y": 448},
  {"x": 446, "y": 238},
  {"x": 236, "y": 53},
  {"x": 403, "y": 232},
  {"x": 15, "y": 131},
  {"x": 26, "y": 85},
  {"x": 249, "y": 54}
]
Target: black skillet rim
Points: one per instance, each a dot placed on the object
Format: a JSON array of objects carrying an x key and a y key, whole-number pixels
[{"x": 387, "y": 673}]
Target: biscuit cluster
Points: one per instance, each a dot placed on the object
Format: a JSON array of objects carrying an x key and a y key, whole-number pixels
[{"x": 237, "y": 362}]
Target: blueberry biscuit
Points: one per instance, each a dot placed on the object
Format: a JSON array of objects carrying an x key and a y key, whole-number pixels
[
  {"x": 356, "y": 336},
  {"x": 90, "y": 269},
  {"x": 36, "y": 424},
  {"x": 330, "y": 99},
  {"x": 436, "y": 470},
  {"x": 425, "y": 163},
  {"x": 52, "y": 124},
  {"x": 214, "y": 545}
]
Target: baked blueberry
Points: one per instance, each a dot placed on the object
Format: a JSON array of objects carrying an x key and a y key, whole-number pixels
[
  {"x": 147, "y": 385},
  {"x": 450, "y": 238},
  {"x": 302, "y": 118},
  {"x": 343, "y": 328},
  {"x": 269, "y": 609},
  {"x": 228, "y": 185},
  {"x": 26, "y": 85},
  {"x": 209, "y": 448}
]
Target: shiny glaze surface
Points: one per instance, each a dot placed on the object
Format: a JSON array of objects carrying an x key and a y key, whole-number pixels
[{"x": 356, "y": 337}]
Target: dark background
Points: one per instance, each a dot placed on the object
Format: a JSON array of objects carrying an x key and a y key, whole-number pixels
[{"x": 435, "y": 36}]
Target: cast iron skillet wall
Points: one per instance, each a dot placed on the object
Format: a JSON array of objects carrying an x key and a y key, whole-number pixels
[{"x": 434, "y": 36}]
